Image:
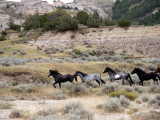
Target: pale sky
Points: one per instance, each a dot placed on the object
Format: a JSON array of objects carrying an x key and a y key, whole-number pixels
[{"x": 49, "y": 1}]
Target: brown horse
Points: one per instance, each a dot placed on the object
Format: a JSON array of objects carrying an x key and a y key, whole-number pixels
[{"x": 157, "y": 70}]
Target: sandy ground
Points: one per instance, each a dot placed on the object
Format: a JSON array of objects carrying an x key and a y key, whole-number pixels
[{"x": 89, "y": 102}]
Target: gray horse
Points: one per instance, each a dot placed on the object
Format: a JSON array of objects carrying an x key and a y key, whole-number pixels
[
  {"x": 95, "y": 76},
  {"x": 118, "y": 76}
]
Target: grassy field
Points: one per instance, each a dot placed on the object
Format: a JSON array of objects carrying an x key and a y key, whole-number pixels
[{"x": 27, "y": 93}]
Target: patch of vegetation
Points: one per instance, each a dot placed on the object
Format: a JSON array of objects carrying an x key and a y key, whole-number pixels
[
  {"x": 147, "y": 116},
  {"x": 58, "y": 95},
  {"x": 58, "y": 20},
  {"x": 124, "y": 23},
  {"x": 24, "y": 88},
  {"x": 112, "y": 105},
  {"x": 138, "y": 11},
  {"x": 109, "y": 88},
  {"x": 8, "y": 61},
  {"x": 128, "y": 95},
  {"x": 15, "y": 113},
  {"x": 75, "y": 111}
]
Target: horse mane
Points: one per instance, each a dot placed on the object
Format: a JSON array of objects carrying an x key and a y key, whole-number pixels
[
  {"x": 56, "y": 71},
  {"x": 140, "y": 70},
  {"x": 111, "y": 70},
  {"x": 84, "y": 74}
]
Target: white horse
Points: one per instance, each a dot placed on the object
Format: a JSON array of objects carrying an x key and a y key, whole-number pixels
[{"x": 95, "y": 76}]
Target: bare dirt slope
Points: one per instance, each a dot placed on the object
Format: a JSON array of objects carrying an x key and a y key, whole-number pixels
[{"x": 144, "y": 40}]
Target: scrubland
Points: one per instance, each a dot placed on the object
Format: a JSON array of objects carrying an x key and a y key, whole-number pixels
[{"x": 27, "y": 93}]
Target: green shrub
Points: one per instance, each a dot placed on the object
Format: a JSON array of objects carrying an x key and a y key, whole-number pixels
[
  {"x": 128, "y": 95},
  {"x": 2, "y": 38},
  {"x": 14, "y": 26},
  {"x": 21, "y": 35},
  {"x": 108, "y": 22},
  {"x": 82, "y": 17},
  {"x": 4, "y": 33},
  {"x": 124, "y": 23}
]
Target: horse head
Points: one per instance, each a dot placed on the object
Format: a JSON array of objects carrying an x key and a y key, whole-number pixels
[
  {"x": 108, "y": 70},
  {"x": 53, "y": 72}
]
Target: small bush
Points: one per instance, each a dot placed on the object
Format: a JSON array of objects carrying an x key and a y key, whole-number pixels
[
  {"x": 10, "y": 98},
  {"x": 155, "y": 102},
  {"x": 4, "y": 33},
  {"x": 124, "y": 23},
  {"x": 78, "y": 90},
  {"x": 128, "y": 95},
  {"x": 2, "y": 38},
  {"x": 116, "y": 58},
  {"x": 154, "y": 89},
  {"x": 24, "y": 88},
  {"x": 109, "y": 88},
  {"x": 138, "y": 89},
  {"x": 76, "y": 111},
  {"x": 21, "y": 35},
  {"x": 124, "y": 101},
  {"x": 145, "y": 97},
  {"x": 112, "y": 105},
  {"x": 50, "y": 111},
  {"x": 138, "y": 100},
  {"x": 15, "y": 114},
  {"x": 58, "y": 95}
]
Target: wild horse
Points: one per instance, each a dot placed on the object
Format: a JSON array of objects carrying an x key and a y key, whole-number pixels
[
  {"x": 118, "y": 76},
  {"x": 59, "y": 78},
  {"x": 95, "y": 76},
  {"x": 143, "y": 76}
]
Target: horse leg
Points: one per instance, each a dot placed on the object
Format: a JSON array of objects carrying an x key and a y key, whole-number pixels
[
  {"x": 98, "y": 82},
  {"x": 59, "y": 85},
  {"x": 54, "y": 84},
  {"x": 129, "y": 82},
  {"x": 122, "y": 81}
]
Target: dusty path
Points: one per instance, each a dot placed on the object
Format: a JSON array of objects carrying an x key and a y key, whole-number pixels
[{"x": 89, "y": 102}]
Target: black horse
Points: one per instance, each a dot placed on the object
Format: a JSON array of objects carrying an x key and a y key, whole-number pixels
[
  {"x": 59, "y": 78},
  {"x": 143, "y": 76},
  {"x": 118, "y": 76}
]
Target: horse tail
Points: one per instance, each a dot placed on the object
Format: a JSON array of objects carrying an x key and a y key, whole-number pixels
[
  {"x": 130, "y": 78},
  {"x": 103, "y": 81}
]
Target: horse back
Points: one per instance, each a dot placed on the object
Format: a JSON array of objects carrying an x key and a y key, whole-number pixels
[{"x": 148, "y": 76}]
